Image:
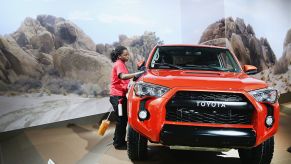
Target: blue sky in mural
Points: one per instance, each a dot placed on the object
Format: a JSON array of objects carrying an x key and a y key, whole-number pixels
[{"x": 103, "y": 21}]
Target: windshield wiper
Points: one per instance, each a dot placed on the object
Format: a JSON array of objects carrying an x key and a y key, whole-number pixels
[
  {"x": 207, "y": 67},
  {"x": 219, "y": 69},
  {"x": 169, "y": 65}
]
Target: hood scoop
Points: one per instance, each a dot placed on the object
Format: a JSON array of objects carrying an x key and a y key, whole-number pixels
[{"x": 202, "y": 73}]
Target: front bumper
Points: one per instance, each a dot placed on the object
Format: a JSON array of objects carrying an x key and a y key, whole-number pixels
[{"x": 207, "y": 136}]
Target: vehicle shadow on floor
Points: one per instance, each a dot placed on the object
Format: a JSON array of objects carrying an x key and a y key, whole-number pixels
[{"x": 161, "y": 154}]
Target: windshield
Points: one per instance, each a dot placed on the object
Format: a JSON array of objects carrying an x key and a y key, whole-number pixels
[{"x": 194, "y": 58}]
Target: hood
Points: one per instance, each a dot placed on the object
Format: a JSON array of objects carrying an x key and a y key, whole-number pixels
[{"x": 204, "y": 80}]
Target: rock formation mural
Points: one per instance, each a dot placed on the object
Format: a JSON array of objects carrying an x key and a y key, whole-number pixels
[
  {"x": 54, "y": 55},
  {"x": 279, "y": 76},
  {"x": 242, "y": 40}
]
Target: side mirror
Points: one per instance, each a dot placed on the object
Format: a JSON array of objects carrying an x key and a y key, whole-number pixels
[{"x": 250, "y": 70}]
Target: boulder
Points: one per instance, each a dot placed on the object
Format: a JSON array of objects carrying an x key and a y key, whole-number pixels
[
  {"x": 82, "y": 65},
  {"x": 287, "y": 47},
  {"x": 17, "y": 61},
  {"x": 255, "y": 53},
  {"x": 139, "y": 47},
  {"x": 286, "y": 57},
  {"x": 214, "y": 31},
  {"x": 250, "y": 30},
  {"x": 49, "y": 22},
  {"x": 100, "y": 48},
  {"x": 287, "y": 52},
  {"x": 268, "y": 53},
  {"x": 44, "y": 59},
  {"x": 216, "y": 42},
  {"x": 68, "y": 34},
  {"x": 28, "y": 29},
  {"x": 47, "y": 33},
  {"x": 230, "y": 27},
  {"x": 239, "y": 49},
  {"x": 43, "y": 42},
  {"x": 287, "y": 38},
  {"x": 240, "y": 25},
  {"x": 50, "y": 47},
  {"x": 21, "y": 39},
  {"x": 4, "y": 64}
]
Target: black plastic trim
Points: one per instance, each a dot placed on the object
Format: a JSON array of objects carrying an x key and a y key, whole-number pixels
[
  {"x": 270, "y": 112},
  {"x": 142, "y": 108},
  {"x": 207, "y": 136}
]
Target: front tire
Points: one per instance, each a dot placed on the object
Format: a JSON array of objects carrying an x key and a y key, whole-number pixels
[
  {"x": 136, "y": 145},
  {"x": 261, "y": 154}
]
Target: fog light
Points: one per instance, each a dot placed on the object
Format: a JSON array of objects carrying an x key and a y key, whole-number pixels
[
  {"x": 269, "y": 121},
  {"x": 143, "y": 114}
]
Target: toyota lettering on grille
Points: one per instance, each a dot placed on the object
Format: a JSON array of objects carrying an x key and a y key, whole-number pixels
[{"x": 210, "y": 104}]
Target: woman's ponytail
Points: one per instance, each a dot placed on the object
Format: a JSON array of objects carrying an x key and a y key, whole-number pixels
[{"x": 115, "y": 53}]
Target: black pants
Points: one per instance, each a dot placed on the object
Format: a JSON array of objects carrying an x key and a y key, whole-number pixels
[{"x": 120, "y": 130}]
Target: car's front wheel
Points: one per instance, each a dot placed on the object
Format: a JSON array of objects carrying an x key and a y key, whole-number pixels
[
  {"x": 261, "y": 154},
  {"x": 136, "y": 145}
]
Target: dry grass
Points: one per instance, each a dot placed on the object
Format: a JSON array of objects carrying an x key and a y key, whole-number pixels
[
  {"x": 26, "y": 84},
  {"x": 55, "y": 85},
  {"x": 12, "y": 93}
]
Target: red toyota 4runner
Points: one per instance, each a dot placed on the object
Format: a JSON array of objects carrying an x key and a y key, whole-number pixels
[{"x": 200, "y": 96}]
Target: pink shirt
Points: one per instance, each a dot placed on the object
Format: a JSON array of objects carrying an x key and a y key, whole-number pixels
[{"x": 118, "y": 86}]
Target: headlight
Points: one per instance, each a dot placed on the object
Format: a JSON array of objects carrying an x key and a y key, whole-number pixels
[
  {"x": 146, "y": 89},
  {"x": 268, "y": 95}
]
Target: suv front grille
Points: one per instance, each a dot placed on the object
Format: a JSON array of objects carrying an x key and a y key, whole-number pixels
[
  {"x": 209, "y": 96},
  {"x": 209, "y": 107}
]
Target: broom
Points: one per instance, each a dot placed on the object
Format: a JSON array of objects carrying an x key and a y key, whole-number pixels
[{"x": 104, "y": 125}]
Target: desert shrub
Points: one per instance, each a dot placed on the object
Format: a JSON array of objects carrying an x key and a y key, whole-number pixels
[
  {"x": 281, "y": 66},
  {"x": 54, "y": 85},
  {"x": 3, "y": 86},
  {"x": 61, "y": 86},
  {"x": 24, "y": 84},
  {"x": 53, "y": 72},
  {"x": 72, "y": 86},
  {"x": 47, "y": 91},
  {"x": 12, "y": 93},
  {"x": 91, "y": 89}
]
